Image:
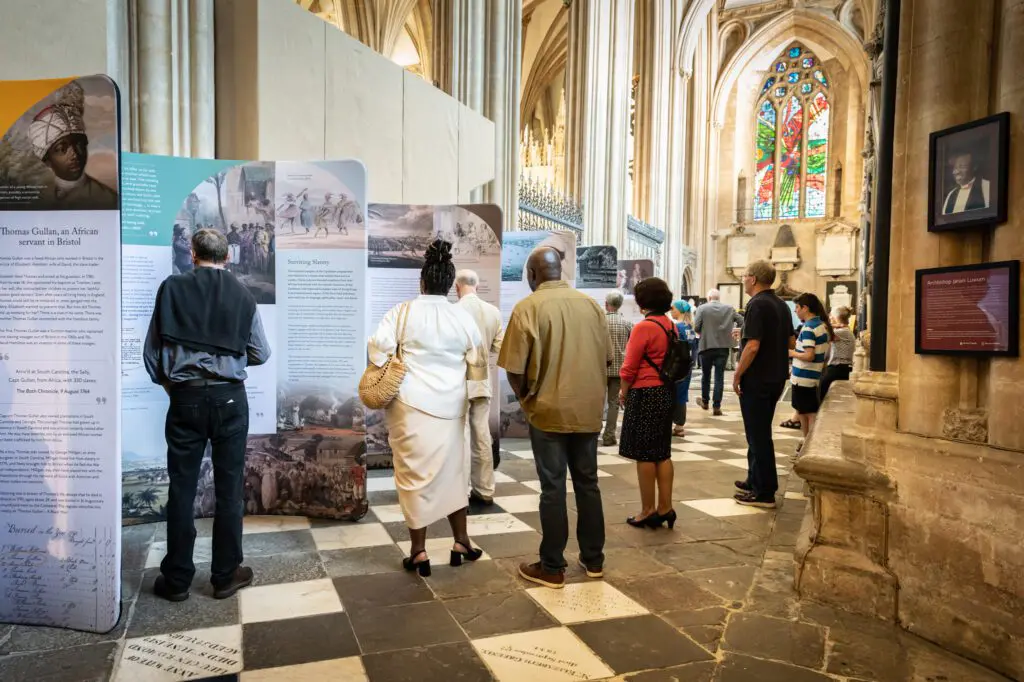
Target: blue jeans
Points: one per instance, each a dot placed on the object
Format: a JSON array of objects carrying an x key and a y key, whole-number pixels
[
  {"x": 713, "y": 358},
  {"x": 553, "y": 453},
  {"x": 757, "y": 403}
]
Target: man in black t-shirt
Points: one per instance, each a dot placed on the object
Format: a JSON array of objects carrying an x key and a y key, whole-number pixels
[{"x": 760, "y": 378}]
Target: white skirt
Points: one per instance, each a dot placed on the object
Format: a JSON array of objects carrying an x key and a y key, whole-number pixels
[{"x": 431, "y": 467}]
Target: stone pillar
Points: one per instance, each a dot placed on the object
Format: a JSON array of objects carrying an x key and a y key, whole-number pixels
[
  {"x": 931, "y": 387},
  {"x": 659, "y": 131},
  {"x": 459, "y": 56},
  {"x": 172, "y": 93},
  {"x": 503, "y": 41},
  {"x": 598, "y": 88}
]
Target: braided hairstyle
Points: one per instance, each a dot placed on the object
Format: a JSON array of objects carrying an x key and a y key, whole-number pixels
[{"x": 438, "y": 273}]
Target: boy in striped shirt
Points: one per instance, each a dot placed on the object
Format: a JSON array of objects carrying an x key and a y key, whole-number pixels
[{"x": 809, "y": 358}]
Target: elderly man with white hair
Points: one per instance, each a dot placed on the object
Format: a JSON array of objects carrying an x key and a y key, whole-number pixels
[
  {"x": 619, "y": 330},
  {"x": 482, "y": 455},
  {"x": 714, "y": 322}
]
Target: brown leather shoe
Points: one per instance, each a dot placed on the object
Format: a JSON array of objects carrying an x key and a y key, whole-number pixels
[
  {"x": 241, "y": 578},
  {"x": 535, "y": 573},
  {"x": 717, "y": 412},
  {"x": 161, "y": 589}
]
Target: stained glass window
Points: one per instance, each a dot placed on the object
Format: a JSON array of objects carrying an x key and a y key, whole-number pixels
[
  {"x": 764, "y": 176},
  {"x": 792, "y": 139},
  {"x": 817, "y": 155}
]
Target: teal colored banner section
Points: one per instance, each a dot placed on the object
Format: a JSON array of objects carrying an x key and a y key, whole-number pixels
[{"x": 155, "y": 192}]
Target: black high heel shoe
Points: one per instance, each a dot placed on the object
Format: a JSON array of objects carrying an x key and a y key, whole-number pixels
[
  {"x": 669, "y": 518},
  {"x": 649, "y": 521},
  {"x": 470, "y": 555},
  {"x": 422, "y": 567}
]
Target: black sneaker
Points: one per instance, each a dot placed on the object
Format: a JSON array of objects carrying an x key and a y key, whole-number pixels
[
  {"x": 751, "y": 500},
  {"x": 742, "y": 485},
  {"x": 160, "y": 589},
  {"x": 241, "y": 578}
]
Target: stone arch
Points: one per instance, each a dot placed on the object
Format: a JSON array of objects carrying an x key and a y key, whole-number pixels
[
  {"x": 733, "y": 34},
  {"x": 689, "y": 33},
  {"x": 550, "y": 61},
  {"x": 824, "y": 36}
]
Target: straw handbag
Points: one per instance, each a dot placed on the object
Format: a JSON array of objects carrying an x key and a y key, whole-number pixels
[{"x": 379, "y": 385}]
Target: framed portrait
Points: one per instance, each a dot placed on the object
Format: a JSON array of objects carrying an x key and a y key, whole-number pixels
[
  {"x": 732, "y": 294},
  {"x": 968, "y": 174},
  {"x": 968, "y": 310}
]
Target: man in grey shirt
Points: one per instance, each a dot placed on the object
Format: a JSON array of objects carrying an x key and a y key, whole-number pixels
[
  {"x": 204, "y": 332},
  {"x": 714, "y": 322}
]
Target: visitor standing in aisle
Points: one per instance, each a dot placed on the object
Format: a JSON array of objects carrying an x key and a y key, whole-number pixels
[
  {"x": 204, "y": 332},
  {"x": 649, "y": 405},
  {"x": 682, "y": 313},
  {"x": 809, "y": 358},
  {"x": 714, "y": 323},
  {"x": 488, "y": 321},
  {"x": 441, "y": 349},
  {"x": 556, "y": 352},
  {"x": 760, "y": 378},
  {"x": 840, "y": 359},
  {"x": 618, "y": 333}
]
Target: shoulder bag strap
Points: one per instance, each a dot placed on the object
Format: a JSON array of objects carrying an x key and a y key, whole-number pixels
[
  {"x": 670, "y": 335},
  {"x": 403, "y": 318}
]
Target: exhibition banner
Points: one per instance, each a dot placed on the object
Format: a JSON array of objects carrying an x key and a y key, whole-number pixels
[
  {"x": 60, "y": 353},
  {"x": 297, "y": 240},
  {"x": 515, "y": 251},
  {"x": 398, "y": 237}
]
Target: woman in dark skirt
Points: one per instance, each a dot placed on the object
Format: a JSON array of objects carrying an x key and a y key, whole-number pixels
[{"x": 649, "y": 405}]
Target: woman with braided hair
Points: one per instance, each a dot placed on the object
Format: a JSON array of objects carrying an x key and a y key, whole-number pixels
[{"x": 426, "y": 423}]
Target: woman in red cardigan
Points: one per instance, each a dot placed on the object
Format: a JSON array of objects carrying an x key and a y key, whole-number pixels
[{"x": 649, "y": 404}]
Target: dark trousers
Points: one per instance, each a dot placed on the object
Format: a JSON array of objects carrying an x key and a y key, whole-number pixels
[
  {"x": 757, "y": 404},
  {"x": 832, "y": 373},
  {"x": 713, "y": 359},
  {"x": 553, "y": 453},
  {"x": 218, "y": 414}
]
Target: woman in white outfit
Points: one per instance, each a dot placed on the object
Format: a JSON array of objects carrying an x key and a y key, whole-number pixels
[{"x": 426, "y": 422}]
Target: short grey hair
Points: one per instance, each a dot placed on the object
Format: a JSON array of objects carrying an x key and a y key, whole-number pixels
[
  {"x": 613, "y": 300},
  {"x": 210, "y": 246},
  {"x": 467, "y": 278},
  {"x": 714, "y": 294}
]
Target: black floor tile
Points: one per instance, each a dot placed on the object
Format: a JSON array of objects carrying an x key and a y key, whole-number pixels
[
  {"x": 282, "y": 542},
  {"x": 498, "y": 614},
  {"x": 298, "y": 640},
  {"x": 339, "y": 563},
  {"x": 401, "y": 627},
  {"x": 446, "y": 663},
  {"x": 156, "y": 616},
  {"x": 286, "y": 568},
  {"x": 92, "y": 663},
  {"x": 736, "y": 668},
  {"x": 381, "y": 589},
  {"x": 472, "y": 579},
  {"x": 639, "y": 643}
]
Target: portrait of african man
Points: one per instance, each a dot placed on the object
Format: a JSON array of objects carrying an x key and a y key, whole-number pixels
[{"x": 62, "y": 153}]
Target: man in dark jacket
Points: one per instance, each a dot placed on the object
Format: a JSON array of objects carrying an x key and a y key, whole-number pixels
[{"x": 204, "y": 332}]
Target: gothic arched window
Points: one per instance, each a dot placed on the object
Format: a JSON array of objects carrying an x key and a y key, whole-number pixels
[{"x": 791, "y": 144}]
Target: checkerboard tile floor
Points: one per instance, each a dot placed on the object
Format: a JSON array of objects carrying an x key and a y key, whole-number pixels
[{"x": 331, "y": 601}]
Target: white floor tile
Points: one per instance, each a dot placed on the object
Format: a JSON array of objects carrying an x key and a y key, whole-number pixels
[
  {"x": 500, "y": 477},
  {"x": 535, "y": 485},
  {"x": 338, "y": 670},
  {"x": 495, "y": 524},
  {"x": 288, "y": 600},
  {"x": 273, "y": 524},
  {"x": 388, "y": 513},
  {"x": 518, "y": 504},
  {"x": 742, "y": 452},
  {"x": 694, "y": 447},
  {"x": 201, "y": 554},
  {"x": 210, "y": 652},
  {"x": 552, "y": 655},
  {"x": 795, "y": 496},
  {"x": 380, "y": 484},
  {"x": 728, "y": 418},
  {"x": 583, "y": 602},
  {"x": 785, "y": 436},
  {"x": 351, "y": 536},
  {"x": 608, "y": 450},
  {"x": 712, "y": 432},
  {"x": 703, "y": 439},
  {"x": 438, "y": 549},
  {"x": 722, "y": 507},
  {"x": 741, "y": 463},
  {"x": 611, "y": 460},
  {"x": 687, "y": 457}
]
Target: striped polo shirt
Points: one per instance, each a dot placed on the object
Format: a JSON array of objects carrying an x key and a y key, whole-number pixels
[{"x": 814, "y": 334}]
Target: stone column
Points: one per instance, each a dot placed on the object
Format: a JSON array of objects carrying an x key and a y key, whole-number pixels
[
  {"x": 459, "y": 56},
  {"x": 599, "y": 80},
  {"x": 172, "y": 92},
  {"x": 657, "y": 134},
  {"x": 937, "y": 398}
]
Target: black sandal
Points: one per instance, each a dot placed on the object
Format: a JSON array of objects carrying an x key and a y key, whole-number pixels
[
  {"x": 470, "y": 555},
  {"x": 422, "y": 567},
  {"x": 790, "y": 424}
]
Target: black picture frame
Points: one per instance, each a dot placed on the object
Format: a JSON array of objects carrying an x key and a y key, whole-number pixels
[
  {"x": 987, "y": 142},
  {"x": 1013, "y": 309}
]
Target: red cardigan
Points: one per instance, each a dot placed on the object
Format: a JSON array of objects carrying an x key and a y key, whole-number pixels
[{"x": 646, "y": 338}]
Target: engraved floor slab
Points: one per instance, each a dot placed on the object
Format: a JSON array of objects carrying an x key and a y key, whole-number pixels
[
  {"x": 351, "y": 536},
  {"x": 583, "y": 602},
  {"x": 723, "y": 506},
  {"x": 494, "y": 524},
  {"x": 182, "y": 655},
  {"x": 290, "y": 600},
  {"x": 516, "y": 504},
  {"x": 541, "y": 656}
]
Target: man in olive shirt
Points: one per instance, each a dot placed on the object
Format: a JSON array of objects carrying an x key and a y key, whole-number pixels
[{"x": 556, "y": 351}]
